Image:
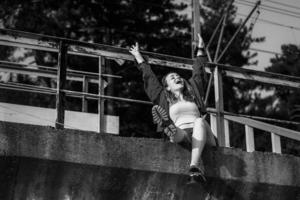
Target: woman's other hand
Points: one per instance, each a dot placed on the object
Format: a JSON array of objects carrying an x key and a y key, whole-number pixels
[
  {"x": 200, "y": 42},
  {"x": 200, "y": 49},
  {"x": 135, "y": 51}
]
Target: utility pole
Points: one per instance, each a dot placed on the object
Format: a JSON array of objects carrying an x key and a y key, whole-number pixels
[{"x": 195, "y": 23}]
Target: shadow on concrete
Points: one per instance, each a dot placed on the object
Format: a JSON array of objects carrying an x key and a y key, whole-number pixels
[
  {"x": 28, "y": 178},
  {"x": 223, "y": 166}
]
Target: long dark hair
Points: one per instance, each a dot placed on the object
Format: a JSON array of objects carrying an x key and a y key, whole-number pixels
[{"x": 187, "y": 91}]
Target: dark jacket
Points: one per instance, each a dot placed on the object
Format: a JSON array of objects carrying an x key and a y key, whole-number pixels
[{"x": 155, "y": 90}]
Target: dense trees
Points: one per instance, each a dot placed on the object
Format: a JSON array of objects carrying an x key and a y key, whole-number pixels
[{"x": 286, "y": 101}]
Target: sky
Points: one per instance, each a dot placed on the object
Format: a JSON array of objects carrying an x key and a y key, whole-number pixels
[{"x": 275, "y": 35}]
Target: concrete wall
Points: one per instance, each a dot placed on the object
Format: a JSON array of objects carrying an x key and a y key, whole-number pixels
[{"x": 43, "y": 163}]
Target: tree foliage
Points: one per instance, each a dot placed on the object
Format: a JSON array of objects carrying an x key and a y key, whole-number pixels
[{"x": 281, "y": 102}]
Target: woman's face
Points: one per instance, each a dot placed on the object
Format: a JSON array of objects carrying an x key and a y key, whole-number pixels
[{"x": 174, "y": 82}]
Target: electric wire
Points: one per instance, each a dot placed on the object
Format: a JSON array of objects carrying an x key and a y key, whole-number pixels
[
  {"x": 272, "y": 7},
  {"x": 283, "y": 4},
  {"x": 265, "y": 51},
  {"x": 270, "y": 10},
  {"x": 272, "y": 22}
]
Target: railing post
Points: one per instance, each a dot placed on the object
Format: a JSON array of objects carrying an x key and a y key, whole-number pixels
[
  {"x": 195, "y": 23},
  {"x": 101, "y": 63},
  {"x": 213, "y": 124},
  {"x": 250, "y": 146},
  {"x": 226, "y": 132},
  {"x": 276, "y": 143},
  {"x": 218, "y": 83},
  {"x": 61, "y": 80},
  {"x": 85, "y": 88}
]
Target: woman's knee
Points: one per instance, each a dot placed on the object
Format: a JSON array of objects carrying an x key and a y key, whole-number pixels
[{"x": 200, "y": 121}]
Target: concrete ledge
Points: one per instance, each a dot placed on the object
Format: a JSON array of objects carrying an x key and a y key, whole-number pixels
[{"x": 144, "y": 154}]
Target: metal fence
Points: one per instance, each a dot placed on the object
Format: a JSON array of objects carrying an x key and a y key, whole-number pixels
[{"x": 219, "y": 118}]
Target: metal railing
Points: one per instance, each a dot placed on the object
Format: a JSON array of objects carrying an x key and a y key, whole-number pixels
[{"x": 219, "y": 118}]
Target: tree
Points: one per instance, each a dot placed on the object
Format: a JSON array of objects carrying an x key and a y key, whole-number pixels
[
  {"x": 282, "y": 102},
  {"x": 287, "y": 99}
]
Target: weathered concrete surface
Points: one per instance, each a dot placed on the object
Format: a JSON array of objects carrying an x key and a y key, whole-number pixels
[{"x": 43, "y": 163}]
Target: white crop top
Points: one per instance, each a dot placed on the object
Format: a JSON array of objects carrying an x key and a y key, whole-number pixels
[{"x": 184, "y": 113}]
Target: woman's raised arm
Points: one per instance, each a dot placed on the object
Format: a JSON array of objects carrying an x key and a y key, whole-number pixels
[
  {"x": 199, "y": 74},
  {"x": 152, "y": 86}
]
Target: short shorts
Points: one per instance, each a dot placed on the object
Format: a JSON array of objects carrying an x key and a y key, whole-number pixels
[{"x": 187, "y": 140}]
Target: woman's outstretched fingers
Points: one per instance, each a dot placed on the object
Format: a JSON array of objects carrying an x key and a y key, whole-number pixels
[
  {"x": 200, "y": 41},
  {"x": 134, "y": 50}
]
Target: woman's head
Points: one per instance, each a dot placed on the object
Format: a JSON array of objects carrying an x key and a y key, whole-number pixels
[{"x": 173, "y": 84}]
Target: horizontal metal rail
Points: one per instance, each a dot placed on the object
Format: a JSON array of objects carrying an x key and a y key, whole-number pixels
[
  {"x": 265, "y": 126},
  {"x": 50, "y": 72},
  {"x": 76, "y": 94},
  {"x": 52, "y": 91},
  {"x": 213, "y": 111},
  {"x": 49, "y": 43},
  {"x": 35, "y": 41}
]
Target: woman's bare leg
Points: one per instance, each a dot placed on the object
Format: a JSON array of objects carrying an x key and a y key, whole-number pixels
[
  {"x": 202, "y": 135},
  {"x": 198, "y": 141},
  {"x": 210, "y": 140}
]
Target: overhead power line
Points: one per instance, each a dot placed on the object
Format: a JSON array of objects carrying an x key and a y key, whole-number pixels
[
  {"x": 265, "y": 51},
  {"x": 270, "y": 10},
  {"x": 283, "y": 4},
  {"x": 272, "y": 7},
  {"x": 273, "y": 23}
]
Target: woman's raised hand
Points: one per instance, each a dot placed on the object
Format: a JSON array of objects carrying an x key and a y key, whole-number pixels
[
  {"x": 135, "y": 51},
  {"x": 200, "y": 41}
]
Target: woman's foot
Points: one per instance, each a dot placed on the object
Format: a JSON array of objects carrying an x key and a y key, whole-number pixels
[
  {"x": 161, "y": 118},
  {"x": 196, "y": 174}
]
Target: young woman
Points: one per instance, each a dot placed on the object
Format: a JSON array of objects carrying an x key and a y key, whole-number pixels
[{"x": 179, "y": 109}]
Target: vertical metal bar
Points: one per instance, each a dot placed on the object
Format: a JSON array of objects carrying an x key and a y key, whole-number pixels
[
  {"x": 211, "y": 76},
  {"x": 196, "y": 23},
  {"x": 227, "y": 136},
  {"x": 220, "y": 37},
  {"x": 101, "y": 63},
  {"x": 276, "y": 143},
  {"x": 237, "y": 31},
  {"x": 216, "y": 54},
  {"x": 218, "y": 83},
  {"x": 214, "y": 33},
  {"x": 85, "y": 88},
  {"x": 61, "y": 81},
  {"x": 213, "y": 124},
  {"x": 223, "y": 22},
  {"x": 250, "y": 146},
  {"x": 208, "y": 88}
]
